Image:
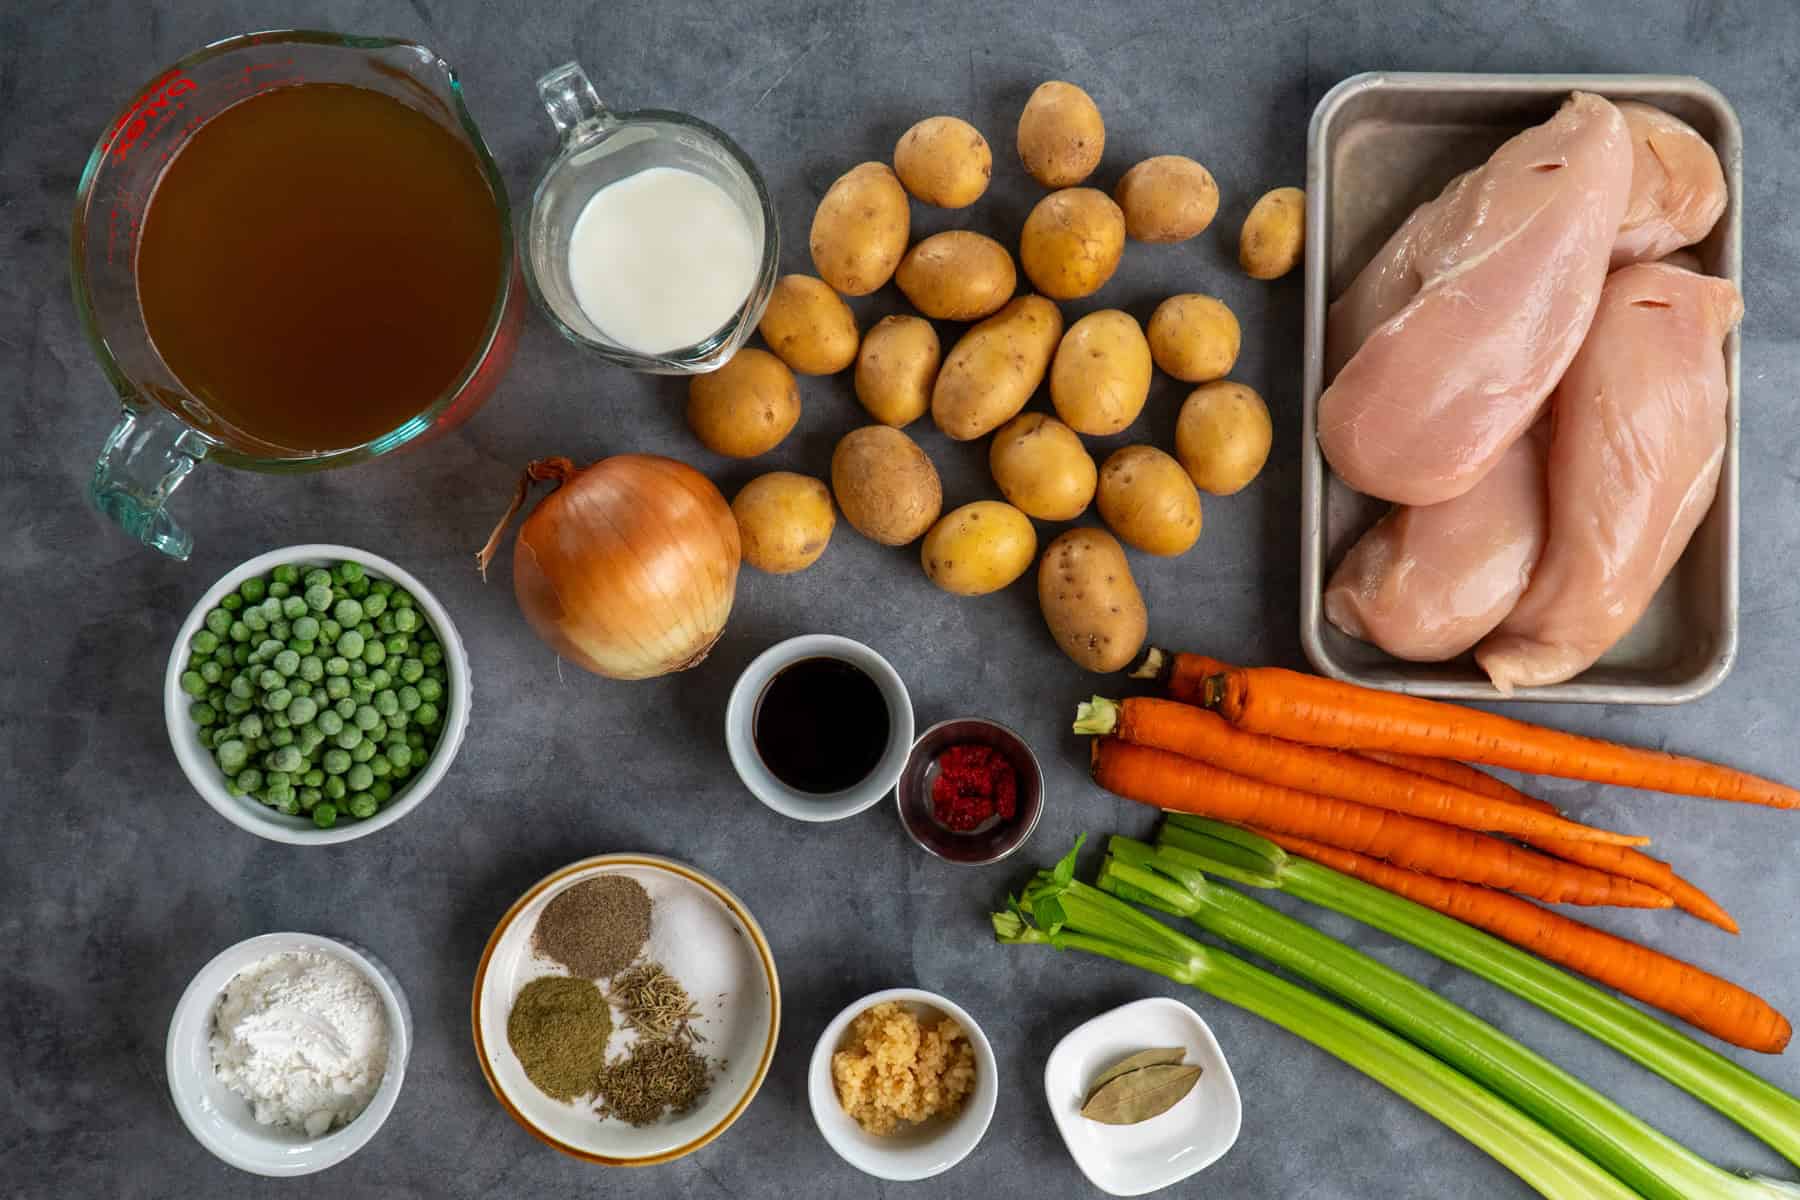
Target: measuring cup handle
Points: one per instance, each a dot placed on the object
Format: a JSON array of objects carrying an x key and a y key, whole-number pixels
[
  {"x": 570, "y": 99},
  {"x": 145, "y": 458}
]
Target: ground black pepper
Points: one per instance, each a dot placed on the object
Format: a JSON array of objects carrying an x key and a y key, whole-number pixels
[{"x": 595, "y": 928}]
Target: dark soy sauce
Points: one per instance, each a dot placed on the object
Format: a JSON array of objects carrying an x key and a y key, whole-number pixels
[{"x": 821, "y": 725}]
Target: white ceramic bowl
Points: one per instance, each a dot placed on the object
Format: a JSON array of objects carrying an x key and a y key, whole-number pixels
[
  {"x": 709, "y": 942},
  {"x": 246, "y": 812},
  {"x": 221, "y": 1119},
  {"x": 929, "y": 1148},
  {"x": 1129, "y": 1160},
  {"x": 740, "y": 729}
]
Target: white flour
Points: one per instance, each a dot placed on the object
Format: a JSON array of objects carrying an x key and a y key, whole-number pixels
[{"x": 303, "y": 1037}]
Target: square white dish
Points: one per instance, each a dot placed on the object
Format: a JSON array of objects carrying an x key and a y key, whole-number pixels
[{"x": 1130, "y": 1160}]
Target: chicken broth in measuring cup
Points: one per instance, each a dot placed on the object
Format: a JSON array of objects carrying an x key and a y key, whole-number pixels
[{"x": 319, "y": 264}]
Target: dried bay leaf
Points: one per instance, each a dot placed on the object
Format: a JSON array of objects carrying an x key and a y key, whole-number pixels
[
  {"x": 1143, "y": 1058},
  {"x": 1141, "y": 1094}
]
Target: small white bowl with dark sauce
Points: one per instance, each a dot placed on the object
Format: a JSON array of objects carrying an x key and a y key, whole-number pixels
[{"x": 819, "y": 727}]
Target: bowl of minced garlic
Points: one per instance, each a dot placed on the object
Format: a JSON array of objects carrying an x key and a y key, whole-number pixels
[{"x": 903, "y": 1084}]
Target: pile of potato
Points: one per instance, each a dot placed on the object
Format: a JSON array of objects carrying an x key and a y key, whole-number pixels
[{"x": 1099, "y": 369}]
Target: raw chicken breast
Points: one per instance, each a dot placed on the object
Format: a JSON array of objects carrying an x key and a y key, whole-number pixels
[
  {"x": 1428, "y": 583},
  {"x": 1496, "y": 281},
  {"x": 1634, "y": 462},
  {"x": 1677, "y": 186}
]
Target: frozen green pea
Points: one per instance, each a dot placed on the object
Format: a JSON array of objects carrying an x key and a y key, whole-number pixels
[
  {"x": 363, "y": 805},
  {"x": 337, "y": 664},
  {"x": 381, "y": 791},
  {"x": 374, "y": 654},
  {"x": 410, "y": 698},
  {"x": 350, "y": 643},
  {"x": 329, "y": 722},
  {"x": 299, "y": 687},
  {"x": 317, "y": 577},
  {"x": 362, "y": 690},
  {"x": 252, "y": 590},
  {"x": 379, "y": 679},
  {"x": 406, "y": 619},
  {"x": 399, "y": 754},
  {"x": 364, "y": 751},
  {"x": 302, "y": 709},
  {"x": 329, "y": 630},
  {"x": 359, "y": 777},
  {"x": 412, "y": 670},
  {"x": 431, "y": 655},
  {"x": 270, "y": 608},
  {"x": 286, "y": 758},
  {"x": 374, "y": 604},
  {"x": 264, "y": 743},
  {"x": 333, "y": 787},
  {"x": 208, "y": 737},
  {"x": 268, "y": 648},
  {"x": 427, "y": 714},
  {"x": 306, "y": 628},
  {"x": 237, "y": 706},
  {"x": 192, "y": 683},
  {"x": 385, "y": 623},
  {"x": 335, "y": 761},
  {"x": 294, "y": 607},
  {"x": 218, "y": 621},
  {"x": 337, "y": 688},
  {"x": 397, "y": 644},
  {"x": 398, "y": 720},
  {"x": 358, "y": 668},
  {"x": 312, "y": 668},
  {"x": 318, "y": 598},
  {"x": 324, "y": 814},
  {"x": 380, "y": 766},
  {"x": 250, "y": 779},
  {"x": 347, "y": 611},
  {"x": 223, "y": 654},
  {"x": 211, "y": 672},
  {"x": 233, "y": 754},
  {"x": 203, "y": 713},
  {"x": 274, "y": 778},
  {"x": 349, "y": 737},
  {"x": 251, "y": 726},
  {"x": 240, "y": 654},
  {"x": 386, "y": 702},
  {"x": 301, "y": 646},
  {"x": 430, "y": 690},
  {"x": 268, "y": 679},
  {"x": 366, "y": 717},
  {"x": 205, "y": 641},
  {"x": 231, "y": 602},
  {"x": 308, "y": 797},
  {"x": 288, "y": 805},
  {"x": 278, "y": 591},
  {"x": 287, "y": 663},
  {"x": 377, "y": 732},
  {"x": 278, "y": 699},
  {"x": 280, "y": 629},
  {"x": 347, "y": 571},
  {"x": 313, "y": 778},
  {"x": 400, "y": 598},
  {"x": 285, "y": 573},
  {"x": 346, "y": 708},
  {"x": 243, "y": 627},
  {"x": 282, "y": 737},
  {"x": 415, "y": 740},
  {"x": 242, "y": 687}
]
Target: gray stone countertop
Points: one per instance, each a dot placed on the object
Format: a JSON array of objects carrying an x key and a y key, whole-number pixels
[{"x": 117, "y": 882}]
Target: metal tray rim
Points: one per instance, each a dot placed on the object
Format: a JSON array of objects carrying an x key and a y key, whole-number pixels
[{"x": 1314, "y": 472}]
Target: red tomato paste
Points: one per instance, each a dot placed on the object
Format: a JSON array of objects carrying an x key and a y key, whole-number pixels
[{"x": 974, "y": 783}]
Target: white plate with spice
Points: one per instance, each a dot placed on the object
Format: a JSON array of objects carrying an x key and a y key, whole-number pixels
[
  {"x": 705, "y": 938},
  {"x": 1130, "y": 1160}
]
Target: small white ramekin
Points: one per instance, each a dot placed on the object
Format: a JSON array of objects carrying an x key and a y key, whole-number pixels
[
  {"x": 932, "y": 1147},
  {"x": 246, "y": 812},
  {"x": 220, "y": 1119},
  {"x": 740, "y": 729}
]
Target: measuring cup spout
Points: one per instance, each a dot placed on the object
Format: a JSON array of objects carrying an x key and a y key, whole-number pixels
[
  {"x": 145, "y": 458},
  {"x": 573, "y": 104}
]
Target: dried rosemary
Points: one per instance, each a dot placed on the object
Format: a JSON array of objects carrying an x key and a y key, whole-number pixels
[
  {"x": 654, "y": 1003},
  {"x": 656, "y": 1077}
]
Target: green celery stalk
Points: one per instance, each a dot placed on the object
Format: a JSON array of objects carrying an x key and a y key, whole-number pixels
[
  {"x": 1753, "y": 1102},
  {"x": 1657, "y": 1166},
  {"x": 1061, "y": 912}
]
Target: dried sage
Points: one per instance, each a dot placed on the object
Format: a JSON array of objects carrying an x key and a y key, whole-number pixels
[
  {"x": 1143, "y": 1058},
  {"x": 1141, "y": 1094}
]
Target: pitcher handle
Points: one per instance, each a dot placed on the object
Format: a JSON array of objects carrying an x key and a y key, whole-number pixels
[
  {"x": 145, "y": 458},
  {"x": 573, "y": 104}
]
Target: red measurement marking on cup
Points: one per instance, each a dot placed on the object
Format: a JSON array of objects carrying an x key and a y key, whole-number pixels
[{"x": 146, "y": 118}]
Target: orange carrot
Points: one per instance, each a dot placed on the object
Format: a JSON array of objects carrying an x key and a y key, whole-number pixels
[
  {"x": 1197, "y": 733},
  {"x": 1326, "y": 712},
  {"x": 1615, "y": 860},
  {"x": 1170, "y": 781},
  {"x": 1705, "y": 1001}
]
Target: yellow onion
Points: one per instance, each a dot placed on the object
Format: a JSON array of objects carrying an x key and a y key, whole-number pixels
[{"x": 628, "y": 568}]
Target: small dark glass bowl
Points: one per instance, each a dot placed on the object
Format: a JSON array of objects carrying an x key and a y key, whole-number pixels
[{"x": 988, "y": 843}]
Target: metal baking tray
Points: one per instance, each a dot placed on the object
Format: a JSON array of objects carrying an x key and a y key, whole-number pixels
[{"x": 1379, "y": 145}]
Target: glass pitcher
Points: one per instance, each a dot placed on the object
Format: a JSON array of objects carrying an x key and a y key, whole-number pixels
[
  {"x": 166, "y": 430},
  {"x": 599, "y": 147}
]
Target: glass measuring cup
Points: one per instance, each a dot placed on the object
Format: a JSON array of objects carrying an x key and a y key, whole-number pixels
[
  {"x": 598, "y": 147},
  {"x": 166, "y": 430}
]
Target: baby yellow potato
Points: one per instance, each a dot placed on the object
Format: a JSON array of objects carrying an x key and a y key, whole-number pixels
[
  {"x": 1169, "y": 198},
  {"x": 944, "y": 162},
  {"x": 1274, "y": 234},
  {"x": 1222, "y": 436},
  {"x": 784, "y": 521},
  {"x": 885, "y": 485},
  {"x": 1147, "y": 498},
  {"x": 1090, "y": 601},
  {"x": 1194, "y": 338},
  {"x": 1101, "y": 374},
  {"x": 895, "y": 369},
  {"x": 860, "y": 229},
  {"x": 978, "y": 548},
  {"x": 808, "y": 326},
  {"x": 995, "y": 367},
  {"x": 1042, "y": 467},
  {"x": 746, "y": 406},
  {"x": 1061, "y": 135},
  {"x": 1072, "y": 242},
  {"x": 957, "y": 276}
]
